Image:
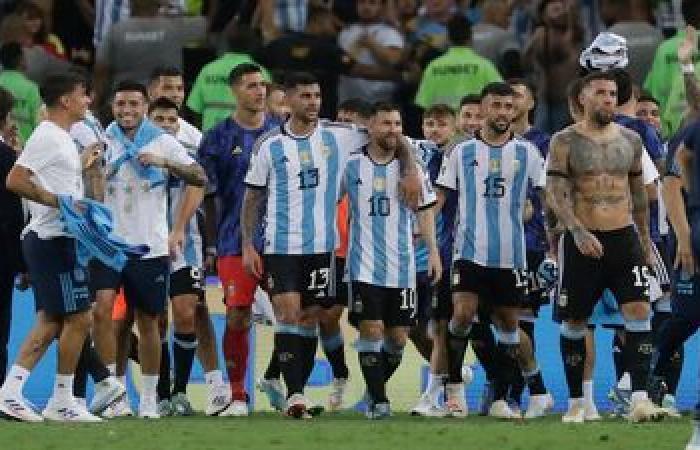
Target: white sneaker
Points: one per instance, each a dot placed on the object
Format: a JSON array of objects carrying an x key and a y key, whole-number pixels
[
  {"x": 237, "y": 408},
  {"x": 500, "y": 410},
  {"x": 591, "y": 412},
  {"x": 426, "y": 408},
  {"x": 539, "y": 406},
  {"x": 121, "y": 408},
  {"x": 17, "y": 407},
  {"x": 335, "y": 398},
  {"x": 669, "y": 404},
  {"x": 107, "y": 392},
  {"x": 148, "y": 408},
  {"x": 218, "y": 399},
  {"x": 69, "y": 411},
  {"x": 455, "y": 404},
  {"x": 645, "y": 410},
  {"x": 576, "y": 412}
]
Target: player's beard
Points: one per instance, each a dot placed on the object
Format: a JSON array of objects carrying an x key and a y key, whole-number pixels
[
  {"x": 498, "y": 127},
  {"x": 602, "y": 118},
  {"x": 388, "y": 143}
]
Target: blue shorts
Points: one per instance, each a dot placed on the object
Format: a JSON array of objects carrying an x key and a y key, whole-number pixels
[
  {"x": 60, "y": 285},
  {"x": 145, "y": 281}
]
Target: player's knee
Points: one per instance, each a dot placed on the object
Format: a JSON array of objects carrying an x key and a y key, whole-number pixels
[
  {"x": 79, "y": 321},
  {"x": 372, "y": 329},
  {"x": 396, "y": 338},
  {"x": 637, "y": 311}
]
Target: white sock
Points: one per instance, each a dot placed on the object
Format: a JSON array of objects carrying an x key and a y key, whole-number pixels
[
  {"x": 638, "y": 396},
  {"x": 63, "y": 388},
  {"x": 112, "y": 368},
  {"x": 16, "y": 377},
  {"x": 214, "y": 378},
  {"x": 588, "y": 392},
  {"x": 149, "y": 385},
  {"x": 625, "y": 382},
  {"x": 435, "y": 384}
]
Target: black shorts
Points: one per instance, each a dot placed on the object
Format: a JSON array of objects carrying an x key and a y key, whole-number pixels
[
  {"x": 187, "y": 281},
  {"x": 622, "y": 269},
  {"x": 661, "y": 264},
  {"x": 536, "y": 294},
  {"x": 309, "y": 275},
  {"x": 424, "y": 297},
  {"x": 341, "y": 287},
  {"x": 59, "y": 283},
  {"x": 441, "y": 306},
  {"x": 494, "y": 286},
  {"x": 396, "y": 307},
  {"x": 145, "y": 282}
]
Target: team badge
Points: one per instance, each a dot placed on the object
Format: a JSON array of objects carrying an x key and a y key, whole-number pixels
[
  {"x": 237, "y": 150},
  {"x": 325, "y": 151},
  {"x": 516, "y": 165},
  {"x": 305, "y": 157},
  {"x": 563, "y": 298},
  {"x": 270, "y": 282},
  {"x": 495, "y": 165},
  {"x": 379, "y": 184}
]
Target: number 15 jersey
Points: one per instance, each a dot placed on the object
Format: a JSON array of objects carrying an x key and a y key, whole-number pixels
[{"x": 492, "y": 185}]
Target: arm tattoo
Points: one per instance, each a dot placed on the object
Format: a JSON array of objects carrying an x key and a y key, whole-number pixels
[
  {"x": 406, "y": 157},
  {"x": 640, "y": 201},
  {"x": 192, "y": 174},
  {"x": 559, "y": 189},
  {"x": 692, "y": 91},
  {"x": 252, "y": 201}
]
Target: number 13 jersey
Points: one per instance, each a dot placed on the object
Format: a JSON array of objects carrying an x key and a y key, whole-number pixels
[{"x": 492, "y": 185}]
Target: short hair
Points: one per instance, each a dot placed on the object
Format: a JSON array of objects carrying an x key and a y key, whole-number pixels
[
  {"x": 497, "y": 88},
  {"x": 595, "y": 76},
  {"x": 625, "y": 85},
  {"x": 57, "y": 85},
  {"x": 295, "y": 79},
  {"x": 131, "y": 86},
  {"x": 470, "y": 99},
  {"x": 6, "y": 104},
  {"x": 357, "y": 106},
  {"x": 10, "y": 55},
  {"x": 646, "y": 97},
  {"x": 459, "y": 29},
  {"x": 438, "y": 110},
  {"x": 165, "y": 71},
  {"x": 161, "y": 103},
  {"x": 574, "y": 89},
  {"x": 690, "y": 9},
  {"x": 523, "y": 82},
  {"x": 274, "y": 87},
  {"x": 241, "y": 70},
  {"x": 384, "y": 107}
]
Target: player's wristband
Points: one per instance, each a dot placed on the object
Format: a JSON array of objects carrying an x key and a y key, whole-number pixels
[
  {"x": 688, "y": 68},
  {"x": 211, "y": 251}
]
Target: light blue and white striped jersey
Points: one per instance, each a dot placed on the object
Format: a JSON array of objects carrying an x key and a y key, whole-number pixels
[
  {"x": 425, "y": 150},
  {"x": 492, "y": 185},
  {"x": 302, "y": 175},
  {"x": 191, "y": 254},
  {"x": 380, "y": 250}
]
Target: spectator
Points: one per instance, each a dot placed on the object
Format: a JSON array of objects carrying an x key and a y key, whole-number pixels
[
  {"x": 431, "y": 24},
  {"x": 492, "y": 40},
  {"x": 211, "y": 97},
  {"x": 280, "y": 16},
  {"x": 24, "y": 91},
  {"x": 108, "y": 13},
  {"x": 631, "y": 20},
  {"x": 458, "y": 72},
  {"x": 134, "y": 47},
  {"x": 372, "y": 43},
  {"x": 554, "y": 50},
  {"x": 73, "y": 23},
  {"x": 277, "y": 102},
  {"x": 34, "y": 21},
  {"x": 665, "y": 80}
]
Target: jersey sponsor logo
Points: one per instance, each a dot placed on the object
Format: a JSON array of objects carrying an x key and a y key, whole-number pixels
[
  {"x": 237, "y": 150},
  {"x": 474, "y": 163},
  {"x": 358, "y": 181}
]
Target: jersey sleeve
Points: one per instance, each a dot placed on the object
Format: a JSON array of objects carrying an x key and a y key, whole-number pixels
[
  {"x": 36, "y": 156},
  {"x": 428, "y": 198},
  {"x": 83, "y": 135},
  {"x": 174, "y": 151},
  {"x": 536, "y": 167},
  {"x": 207, "y": 155},
  {"x": 649, "y": 172},
  {"x": 260, "y": 165},
  {"x": 448, "y": 171},
  {"x": 653, "y": 143}
]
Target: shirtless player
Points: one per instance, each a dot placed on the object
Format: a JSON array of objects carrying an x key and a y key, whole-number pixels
[{"x": 595, "y": 189}]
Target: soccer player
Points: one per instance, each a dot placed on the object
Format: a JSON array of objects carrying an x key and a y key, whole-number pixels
[
  {"x": 381, "y": 259},
  {"x": 491, "y": 173},
  {"x": 297, "y": 169},
  {"x": 470, "y": 118},
  {"x": 49, "y": 166},
  {"x": 140, "y": 158},
  {"x": 355, "y": 111},
  {"x": 225, "y": 153},
  {"x": 595, "y": 189},
  {"x": 277, "y": 102}
]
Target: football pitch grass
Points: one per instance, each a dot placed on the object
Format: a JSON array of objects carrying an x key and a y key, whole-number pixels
[{"x": 345, "y": 431}]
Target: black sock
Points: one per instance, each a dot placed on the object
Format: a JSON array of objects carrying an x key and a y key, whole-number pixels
[
  {"x": 517, "y": 386},
  {"x": 373, "y": 371},
  {"x": 637, "y": 353},
  {"x": 456, "y": 348},
  {"x": 134, "y": 349},
  {"x": 309, "y": 343},
  {"x": 618, "y": 359},
  {"x": 163, "y": 387},
  {"x": 535, "y": 382},
  {"x": 391, "y": 358},
  {"x": 670, "y": 339},
  {"x": 484, "y": 346},
  {"x": 573, "y": 354},
  {"x": 334, "y": 348},
  {"x": 507, "y": 371},
  {"x": 184, "y": 348},
  {"x": 289, "y": 355},
  {"x": 94, "y": 365},
  {"x": 273, "y": 367},
  {"x": 80, "y": 379},
  {"x": 675, "y": 369}
]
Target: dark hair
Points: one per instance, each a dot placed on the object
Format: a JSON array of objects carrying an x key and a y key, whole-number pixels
[
  {"x": 238, "y": 72},
  {"x": 690, "y": 9},
  {"x": 6, "y": 103},
  {"x": 470, "y": 99},
  {"x": 131, "y": 86},
  {"x": 645, "y": 97},
  {"x": 384, "y": 107},
  {"x": 10, "y": 55},
  {"x": 523, "y": 82},
  {"x": 438, "y": 110},
  {"x": 161, "y": 103},
  {"x": 357, "y": 106},
  {"x": 625, "y": 85},
  {"x": 242, "y": 39},
  {"x": 34, "y": 11},
  {"x": 595, "y": 76},
  {"x": 459, "y": 30},
  {"x": 574, "y": 89},
  {"x": 294, "y": 79},
  {"x": 165, "y": 71},
  {"x": 57, "y": 85},
  {"x": 497, "y": 88}
]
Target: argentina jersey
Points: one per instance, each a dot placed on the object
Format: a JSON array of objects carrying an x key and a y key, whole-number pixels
[
  {"x": 426, "y": 154},
  {"x": 302, "y": 177},
  {"x": 491, "y": 183},
  {"x": 380, "y": 250}
]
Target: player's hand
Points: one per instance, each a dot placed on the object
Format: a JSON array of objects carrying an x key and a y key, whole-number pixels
[
  {"x": 411, "y": 189},
  {"x": 252, "y": 261},
  {"x": 587, "y": 243},
  {"x": 149, "y": 159},
  {"x": 23, "y": 282},
  {"x": 434, "y": 268},
  {"x": 91, "y": 154},
  {"x": 688, "y": 46},
  {"x": 684, "y": 256},
  {"x": 176, "y": 242}
]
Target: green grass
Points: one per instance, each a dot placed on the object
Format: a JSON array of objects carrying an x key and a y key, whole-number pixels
[{"x": 345, "y": 431}]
